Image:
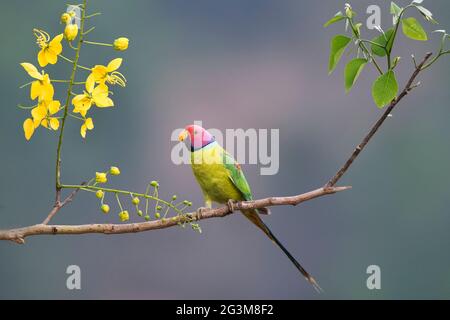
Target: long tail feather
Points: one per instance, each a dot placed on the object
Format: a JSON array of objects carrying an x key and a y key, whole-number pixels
[{"x": 254, "y": 217}]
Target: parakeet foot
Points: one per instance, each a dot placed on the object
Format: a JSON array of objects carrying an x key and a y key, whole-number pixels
[
  {"x": 200, "y": 211},
  {"x": 230, "y": 205}
]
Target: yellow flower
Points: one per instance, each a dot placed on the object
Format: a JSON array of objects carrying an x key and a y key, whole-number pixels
[
  {"x": 124, "y": 216},
  {"x": 71, "y": 32},
  {"x": 41, "y": 115},
  {"x": 49, "y": 49},
  {"x": 121, "y": 44},
  {"x": 92, "y": 96},
  {"x": 42, "y": 87},
  {"x": 100, "y": 177},
  {"x": 87, "y": 125},
  {"x": 99, "y": 194},
  {"x": 42, "y": 111},
  {"x": 105, "y": 208},
  {"x": 102, "y": 74},
  {"x": 114, "y": 171}
]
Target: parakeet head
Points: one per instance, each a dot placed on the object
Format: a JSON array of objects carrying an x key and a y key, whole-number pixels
[{"x": 198, "y": 136}]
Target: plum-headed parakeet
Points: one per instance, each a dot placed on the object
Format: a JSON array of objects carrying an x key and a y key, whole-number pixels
[{"x": 221, "y": 179}]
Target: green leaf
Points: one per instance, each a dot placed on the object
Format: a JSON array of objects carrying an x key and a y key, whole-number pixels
[
  {"x": 386, "y": 40},
  {"x": 385, "y": 89},
  {"x": 413, "y": 29},
  {"x": 352, "y": 71},
  {"x": 395, "y": 9},
  {"x": 338, "y": 17},
  {"x": 337, "y": 47}
]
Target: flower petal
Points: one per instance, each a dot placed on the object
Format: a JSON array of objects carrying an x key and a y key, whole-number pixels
[
  {"x": 83, "y": 130},
  {"x": 32, "y": 70},
  {"x": 47, "y": 92},
  {"x": 42, "y": 59},
  {"x": 54, "y": 106},
  {"x": 54, "y": 123},
  {"x": 28, "y": 128},
  {"x": 89, "y": 123},
  {"x": 51, "y": 57},
  {"x": 39, "y": 113},
  {"x": 114, "y": 64},
  {"x": 99, "y": 72},
  {"x": 100, "y": 96},
  {"x": 104, "y": 102},
  {"x": 35, "y": 89},
  {"x": 55, "y": 44},
  {"x": 90, "y": 83},
  {"x": 44, "y": 123}
]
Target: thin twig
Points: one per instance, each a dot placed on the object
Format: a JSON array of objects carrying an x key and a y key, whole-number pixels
[
  {"x": 60, "y": 204},
  {"x": 409, "y": 86}
]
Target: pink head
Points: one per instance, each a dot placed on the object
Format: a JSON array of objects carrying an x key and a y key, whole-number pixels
[{"x": 198, "y": 136}]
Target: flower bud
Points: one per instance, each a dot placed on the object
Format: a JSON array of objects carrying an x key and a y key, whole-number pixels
[
  {"x": 135, "y": 201},
  {"x": 121, "y": 44},
  {"x": 114, "y": 171},
  {"x": 65, "y": 18},
  {"x": 174, "y": 197},
  {"x": 147, "y": 217},
  {"x": 158, "y": 207},
  {"x": 100, "y": 177},
  {"x": 71, "y": 32},
  {"x": 154, "y": 184},
  {"x": 140, "y": 213},
  {"x": 157, "y": 215},
  {"x": 105, "y": 208},
  {"x": 99, "y": 194},
  {"x": 124, "y": 216}
]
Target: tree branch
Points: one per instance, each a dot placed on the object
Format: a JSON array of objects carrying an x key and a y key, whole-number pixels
[
  {"x": 18, "y": 235},
  {"x": 409, "y": 86},
  {"x": 59, "y": 205}
]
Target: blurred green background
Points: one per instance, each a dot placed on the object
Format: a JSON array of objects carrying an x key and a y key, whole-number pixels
[{"x": 231, "y": 64}]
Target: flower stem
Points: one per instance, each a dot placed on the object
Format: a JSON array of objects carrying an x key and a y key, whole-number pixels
[
  {"x": 72, "y": 61},
  {"x": 69, "y": 95},
  {"x": 98, "y": 43},
  {"x": 26, "y": 84},
  {"x": 117, "y": 191},
  {"x": 60, "y": 81},
  {"x": 93, "y": 15}
]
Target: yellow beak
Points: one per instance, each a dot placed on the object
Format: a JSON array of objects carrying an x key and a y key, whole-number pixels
[{"x": 183, "y": 135}]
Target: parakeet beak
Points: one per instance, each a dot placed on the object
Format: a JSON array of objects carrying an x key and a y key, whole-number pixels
[{"x": 183, "y": 135}]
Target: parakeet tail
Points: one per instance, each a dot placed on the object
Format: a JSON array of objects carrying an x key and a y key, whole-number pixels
[
  {"x": 253, "y": 216},
  {"x": 265, "y": 211}
]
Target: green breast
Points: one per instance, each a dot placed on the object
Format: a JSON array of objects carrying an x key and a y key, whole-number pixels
[{"x": 212, "y": 175}]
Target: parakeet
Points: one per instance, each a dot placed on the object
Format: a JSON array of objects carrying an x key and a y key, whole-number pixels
[{"x": 221, "y": 180}]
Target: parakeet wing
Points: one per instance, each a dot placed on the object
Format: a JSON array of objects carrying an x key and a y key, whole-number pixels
[{"x": 237, "y": 177}]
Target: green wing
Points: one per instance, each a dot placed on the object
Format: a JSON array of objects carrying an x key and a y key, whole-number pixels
[{"x": 237, "y": 176}]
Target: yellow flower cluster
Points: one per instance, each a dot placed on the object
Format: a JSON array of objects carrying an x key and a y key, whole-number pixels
[
  {"x": 43, "y": 113},
  {"x": 96, "y": 93}
]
